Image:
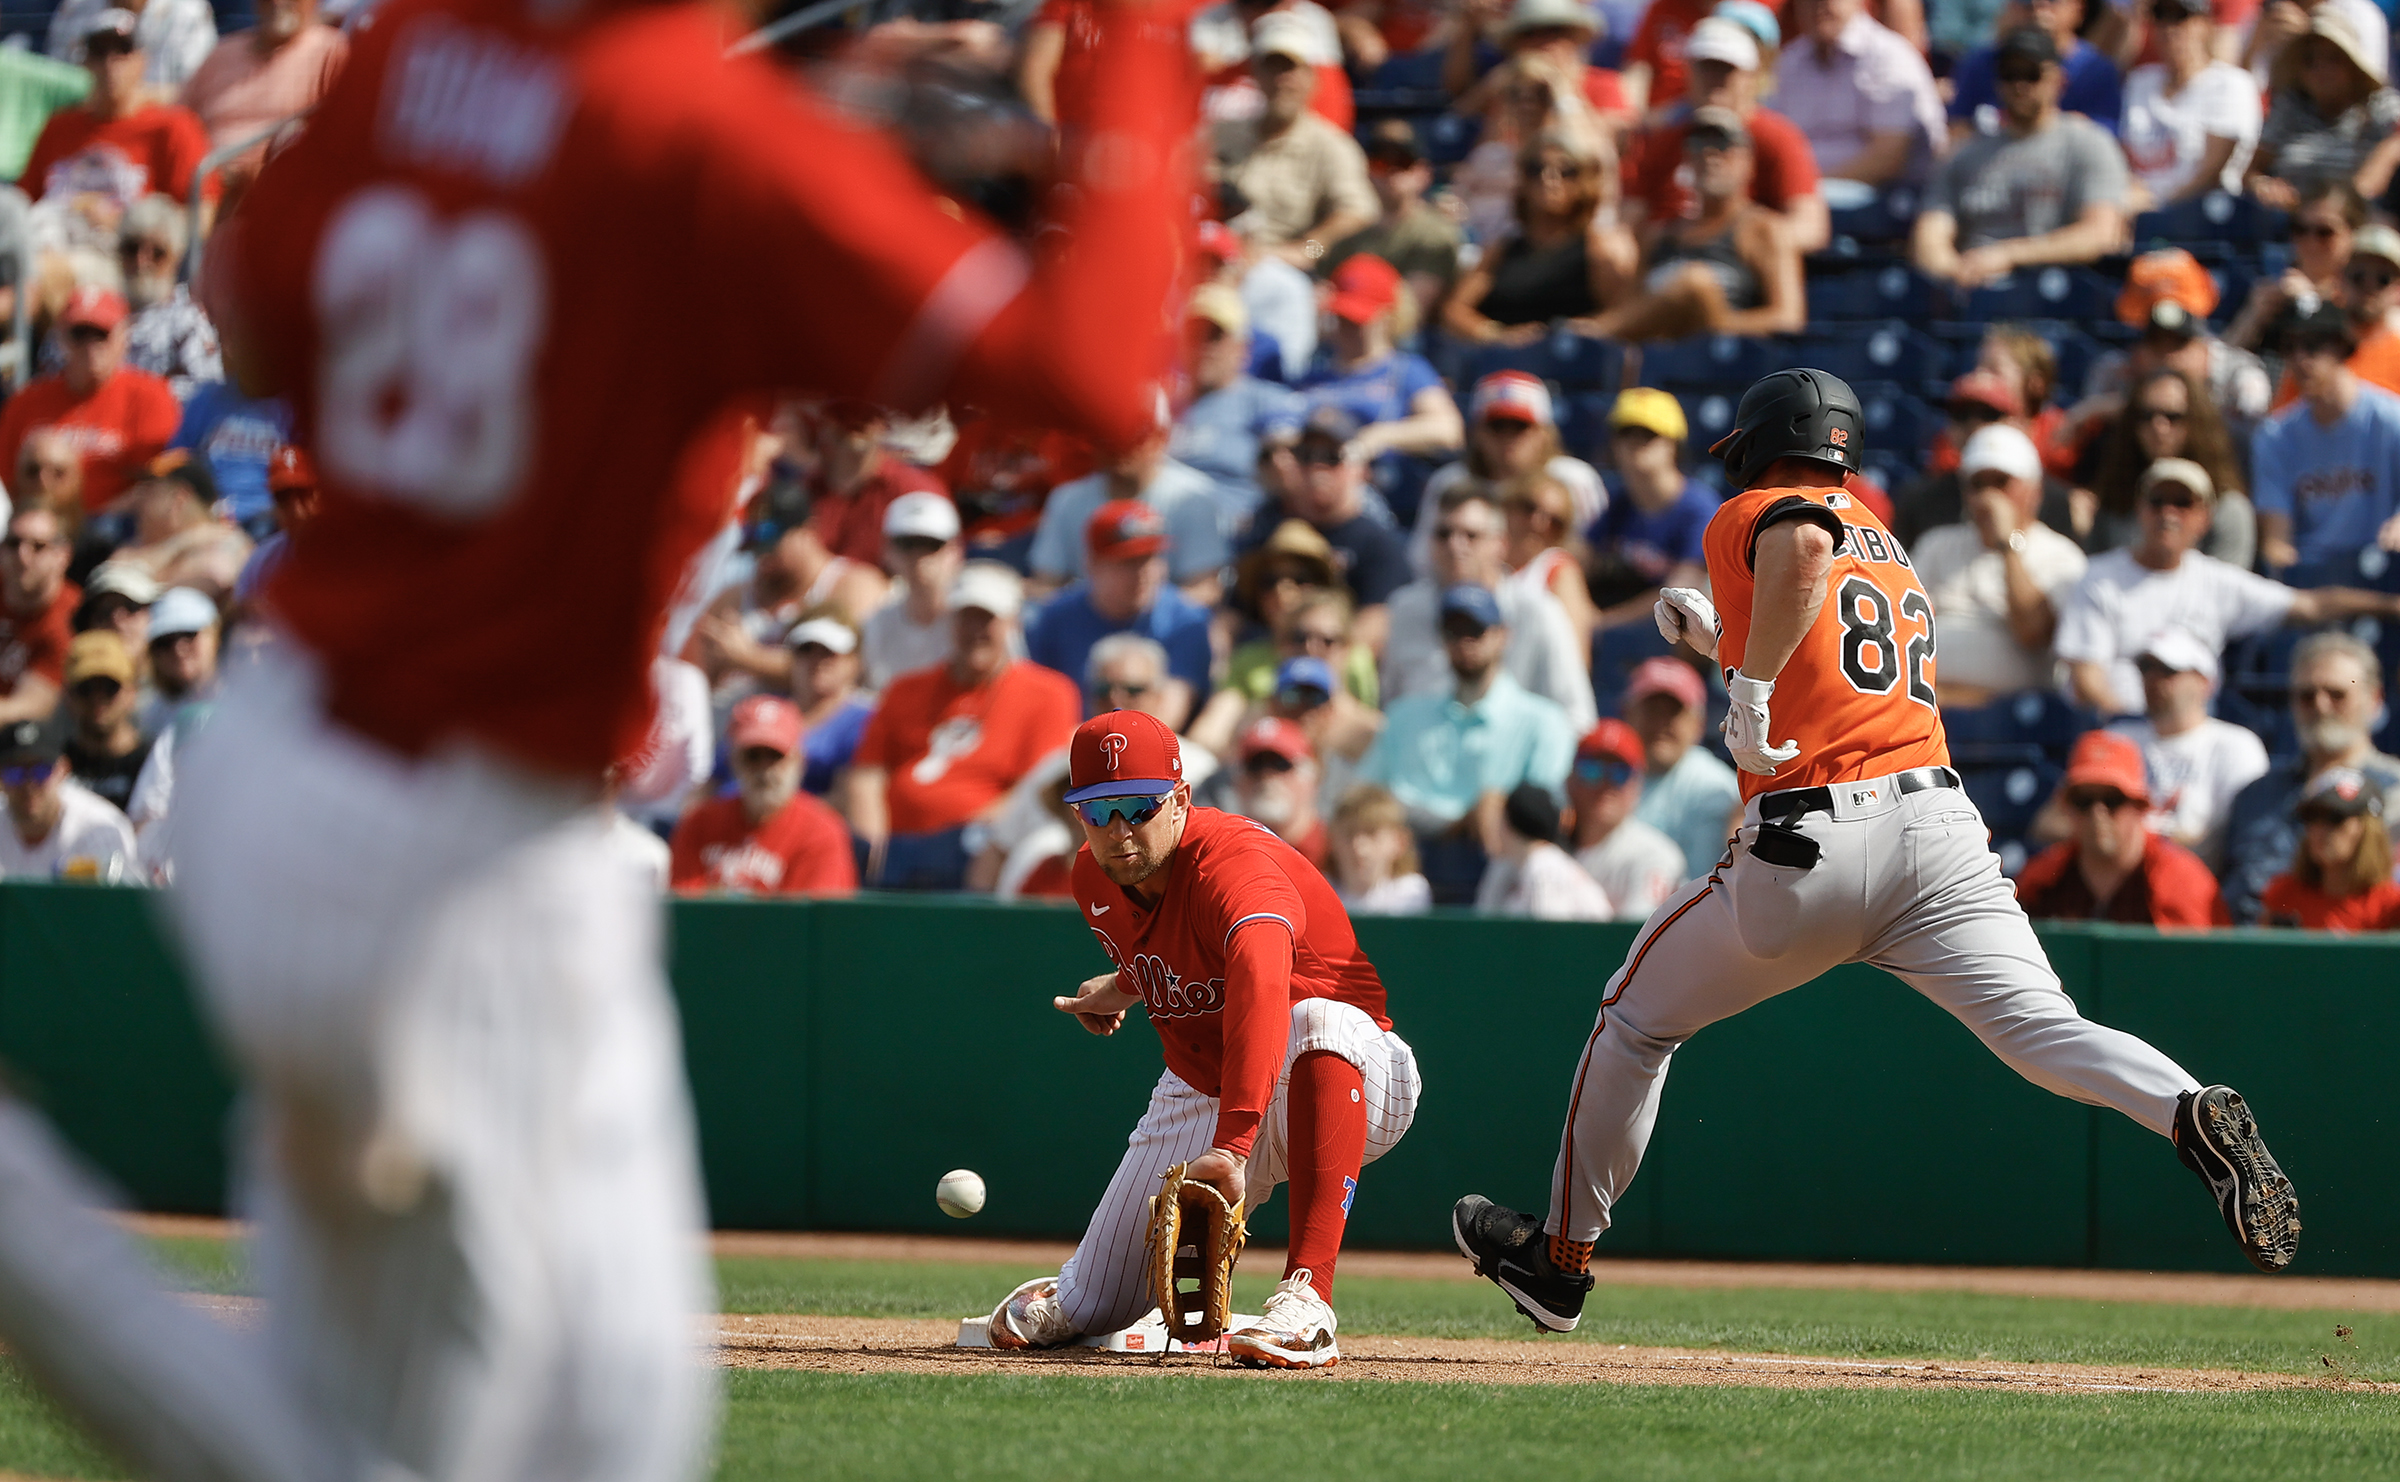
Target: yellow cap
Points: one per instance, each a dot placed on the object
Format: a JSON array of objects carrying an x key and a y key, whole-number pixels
[{"x": 1649, "y": 408}]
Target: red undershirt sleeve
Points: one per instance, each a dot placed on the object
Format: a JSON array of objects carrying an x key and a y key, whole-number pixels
[{"x": 1258, "y": 1027}]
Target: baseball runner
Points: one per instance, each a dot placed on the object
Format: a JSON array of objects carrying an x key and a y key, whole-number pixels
[
  {"x": 516, "y": 277},
  {"x": 1856, "y": 845},
  {"x": 1281, "y": 1065}
]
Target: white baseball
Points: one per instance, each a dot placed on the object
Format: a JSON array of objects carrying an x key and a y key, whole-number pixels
[{"x": 960, "y": 1193}]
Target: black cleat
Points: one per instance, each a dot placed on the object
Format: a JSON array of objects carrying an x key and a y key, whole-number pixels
[
  {"x": 2218, "y": 1139},
  {"x": 1511, "y": 1251}
]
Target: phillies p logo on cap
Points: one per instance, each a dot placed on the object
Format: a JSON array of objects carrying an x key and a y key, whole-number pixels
[{"x": 1122, "y": 754}]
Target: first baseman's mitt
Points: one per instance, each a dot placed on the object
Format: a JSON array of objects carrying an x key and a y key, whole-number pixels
[{"x": 1196, "y": 1237}]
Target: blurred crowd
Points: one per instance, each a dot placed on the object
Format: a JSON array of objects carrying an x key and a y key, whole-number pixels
[{"x": 1473, "y": 284}]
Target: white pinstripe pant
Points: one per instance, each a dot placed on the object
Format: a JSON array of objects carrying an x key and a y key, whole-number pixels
[{"x": 1104, "y": 1286}]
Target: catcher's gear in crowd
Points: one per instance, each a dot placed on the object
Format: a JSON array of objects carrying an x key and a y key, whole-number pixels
[
  {"x": 2218, "y": 1139},
  {"x": 1803, "y": 413},
  {"x": 1195, "y": 1236},
  {"x": 1746, "y": 725},
  {"x": 1685, "y": 615}
]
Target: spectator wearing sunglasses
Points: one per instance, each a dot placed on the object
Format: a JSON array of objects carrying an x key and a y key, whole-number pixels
[
  {"x": 1567, "y": 259},
  {"x": 2167, "y": 299},
  {"x": 1997, "y": 576},
  {"x": 104, "y": 747},
  {"x": 2168, "y": 414},
  {"x": 1512, "y": 432},
  {"x": 2368, "y": 289},
  {"x": 2341, "y": 875},
  {"x": 58, "y": 829},
  {"x": 1454, "y": 755},
  {"x": 2336, "y": 697},
  {"x": 2115, "y": 868},
  {"x": 825, "y": 670},
  {"x": 117, "y": 418},
  {"x": 2088, "y": 83},
  {"x": 921, "y": 550},
  {"x": 2197, "y": 764},
  {"x": 771, "y": 837},
  {"x": 168, "y": 334},
  {"x": 1634, "y": 863},
  {"x": 2323, "y": 228},
  {"x": 2332, "y": 113},
  {"x": 1418, "y": 240},
  {"x": 1125, "y": 590},
  {"x": 1329, "y": 491},
  {"x": 1648, "y": 534},
  {"x": 2044, "y": 187},
  {"x": 185, "y": 629},
  {"x": 2162, "y": 581},
  {"x": 2328, "y": 466},
  {"x": 37, "y": 608},
  {"x": 1275, "y": 777}
]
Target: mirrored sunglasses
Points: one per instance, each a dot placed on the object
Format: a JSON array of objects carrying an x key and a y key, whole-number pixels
[{"x": 1100, "y": 812}]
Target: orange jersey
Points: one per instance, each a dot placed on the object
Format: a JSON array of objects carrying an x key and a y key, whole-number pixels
[{"x": 1858, "y": 693}]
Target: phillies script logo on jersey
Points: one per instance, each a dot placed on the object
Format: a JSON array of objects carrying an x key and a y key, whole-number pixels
[{"x": 1168, "y": 993}]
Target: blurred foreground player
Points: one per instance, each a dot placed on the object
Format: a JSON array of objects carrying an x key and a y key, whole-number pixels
[
  {"x": 1857, "y": 844},
  {"x": 471, "y": 1150},
  {"x": 1281, "y": 1065}
]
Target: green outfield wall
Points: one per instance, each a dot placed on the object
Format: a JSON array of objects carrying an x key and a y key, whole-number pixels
[{"x": 845, "y": 1054}]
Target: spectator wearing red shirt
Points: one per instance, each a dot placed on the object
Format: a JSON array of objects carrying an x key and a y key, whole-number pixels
[
  {"x": 37, "y": 609},
  {"x": 769, "y": 838},
  {"x": 856, "y": 479},
  {"x": 117, "y": 418},
  {"x": 941, "y": 752},
  {"x": 100, "y": 156},
  {"x": 1275, "y": 783},
  {"x": 2341, "y": 875},
  {"x": 1724, "y": 60},
  {"x": 2115, "y": 868}
]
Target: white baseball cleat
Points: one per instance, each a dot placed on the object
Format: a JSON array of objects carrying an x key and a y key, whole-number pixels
[
  {"x": 1295, "y": 1331},
  {"x": 1030, "y": 1317}
]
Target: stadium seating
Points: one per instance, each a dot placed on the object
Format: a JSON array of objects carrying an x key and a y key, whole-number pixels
[
  {"x": 2036, "y": 726},
  {"x": 1893, "y": 351},
  {"x": 1615, "y": 654},
  {"x": 1893, "y": 291},
  {"x": 2042, "y": 293},
  {"x": 2214, "y": 217},
  {"x": 1575, "y": 362},
  {"x": 1717, "y": 359},
  {"x": 2009, "y": 797}
]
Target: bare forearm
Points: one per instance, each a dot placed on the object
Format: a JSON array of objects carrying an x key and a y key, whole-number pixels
[
  {"x": 35, "y": 698},
  {"x": 1793, "y": 560},
  {"x": 1935, "y": 245},
  {"x": 2031, "y": 619},
  {"x": 870, "y": 818},
  {"x": 1885, "y": 156},
  {"x": 2088, "y": 681},
  {"x": 2332, "y": 604},
  {"x": 2093, "y": 236}
]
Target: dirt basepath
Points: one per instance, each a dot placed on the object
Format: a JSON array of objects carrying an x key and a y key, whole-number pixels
[
  {"x": 846, "y": 1345},
  {"x": 2347, "y": 1294}
]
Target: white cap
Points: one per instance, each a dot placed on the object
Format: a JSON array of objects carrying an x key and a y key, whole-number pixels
[
  {"x": 125, "y": 580},
  {"x": 2181, "y": 472},
  {"x": 181, "y": 610},
  {"x": 1534, "y": 15},
  {"x": 826, "y": 633},
  {"x": 2183, "y": 651},
  {"x": 990, "y": 586},
  {"x": 1717, "y": 39},
  {"x": 923, "y": 514},
  {"x": 1281, "y": 33},
  {"x": 2002, "y": 447}
]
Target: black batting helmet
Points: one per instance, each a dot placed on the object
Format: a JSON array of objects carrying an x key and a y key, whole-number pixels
[{"x": 1793, "y": 413}]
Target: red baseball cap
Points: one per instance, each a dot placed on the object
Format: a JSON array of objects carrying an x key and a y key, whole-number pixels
[
  {"x": 96, "y": 307},
  {"x": 1982, "y": 388},
  {"x": 1277, "y": 735},
  {"x": 1612, "y": 737},
  {"x": 1219, "y": 241},
  {"x": 1122, "y": 754},
  {"x": 1364, "y": 288},
  {"x": 1667, "y": 676},
  {"x": 289, "y": 469},
  {"x": 1512, "y": 394},
  {"x": 1124, "y": 530},
  {"x": 2108, "y": 759},
  {"x": 765, "y": 720}
]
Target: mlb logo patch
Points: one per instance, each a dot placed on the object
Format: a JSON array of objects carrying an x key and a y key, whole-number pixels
[
  {"x": 1837, "y": 499},
  {"x": 1349, "y": 1193}
]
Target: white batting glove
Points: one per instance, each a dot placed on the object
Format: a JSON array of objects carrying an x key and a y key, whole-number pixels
[
  {"x": 1746, "y": 727},
  {"x": 1685, "y": 615}
]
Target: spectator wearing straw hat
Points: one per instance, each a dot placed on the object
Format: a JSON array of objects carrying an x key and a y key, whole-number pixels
[
  {"x": 2327, "y": 467},
  {"x": 2341, "y": 874},
  {"x": 1637, "y": 866},
  {"x": 2115, "y": 868},
  {"x": 2332, "y": 117},
  {"x": 1998, "y": 576}
]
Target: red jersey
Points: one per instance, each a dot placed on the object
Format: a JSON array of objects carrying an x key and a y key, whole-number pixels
[
  {"x": 116, "y": 431},
  {"x": 852, "y": 524},
  {"x": 1244, "y": 929},
  {"x": 2287, "y": 902},
  {"x": 1657, "y": 175},
  {"x": 38, "y": 644},
  {"x": 1658, "y": 44},
  {"x": 803, "y": 850},
  {"x": 520, "y": 259},
  {"x": 952, "y": 751},
  {"x": 152, "y": 151},
  {"x": 1858, "y": 692},
  {"x": 2172, "y": 888}
]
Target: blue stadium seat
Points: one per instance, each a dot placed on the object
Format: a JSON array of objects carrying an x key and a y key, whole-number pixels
[
  {"x": 1710, "y": 359},
  {"x": 1583, "y": 424},
  {"x": 1897, "y": 421},
  {"x": 1615, "y": 653},
  {"x": 1894, "y": 351},
  {"x": 2009, "y": 797},
  {"x": 1893, "y": 292},
  {"x": 1416, "y": 71},
  {"x": 2039, "y": 725},
  {"x": 2215, "y": 217},
  {"x": 2043, "y": 293},
  {"x": 1887, "y": 218},
  {"x": 1573, "y": 361},
  {"x": 1448, "y": 137},
  {"x": 1708, "y": 408}
]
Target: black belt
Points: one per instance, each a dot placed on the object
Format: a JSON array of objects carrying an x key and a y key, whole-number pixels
[{"x": 1782, "y": 807}]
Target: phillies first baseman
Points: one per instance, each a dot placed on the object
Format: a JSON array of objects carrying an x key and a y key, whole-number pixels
[
  {"x": 515, "y": 278},
  {"x": 1856, "y": 845},
  {"x": 1280, "y": 1062}
]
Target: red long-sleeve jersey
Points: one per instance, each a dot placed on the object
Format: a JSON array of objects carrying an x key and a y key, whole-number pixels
[
  {"x": 522, "y": 258},
  {"x": 1244, "y": 929}
]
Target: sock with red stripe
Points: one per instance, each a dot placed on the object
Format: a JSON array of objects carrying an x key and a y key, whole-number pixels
[
  {"x": 1327, "y": 1121},
  {"x": 1573, "y": 1257}
]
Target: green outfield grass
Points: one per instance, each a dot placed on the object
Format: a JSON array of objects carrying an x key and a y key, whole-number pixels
[{"x": 1053, "y": 1426}]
